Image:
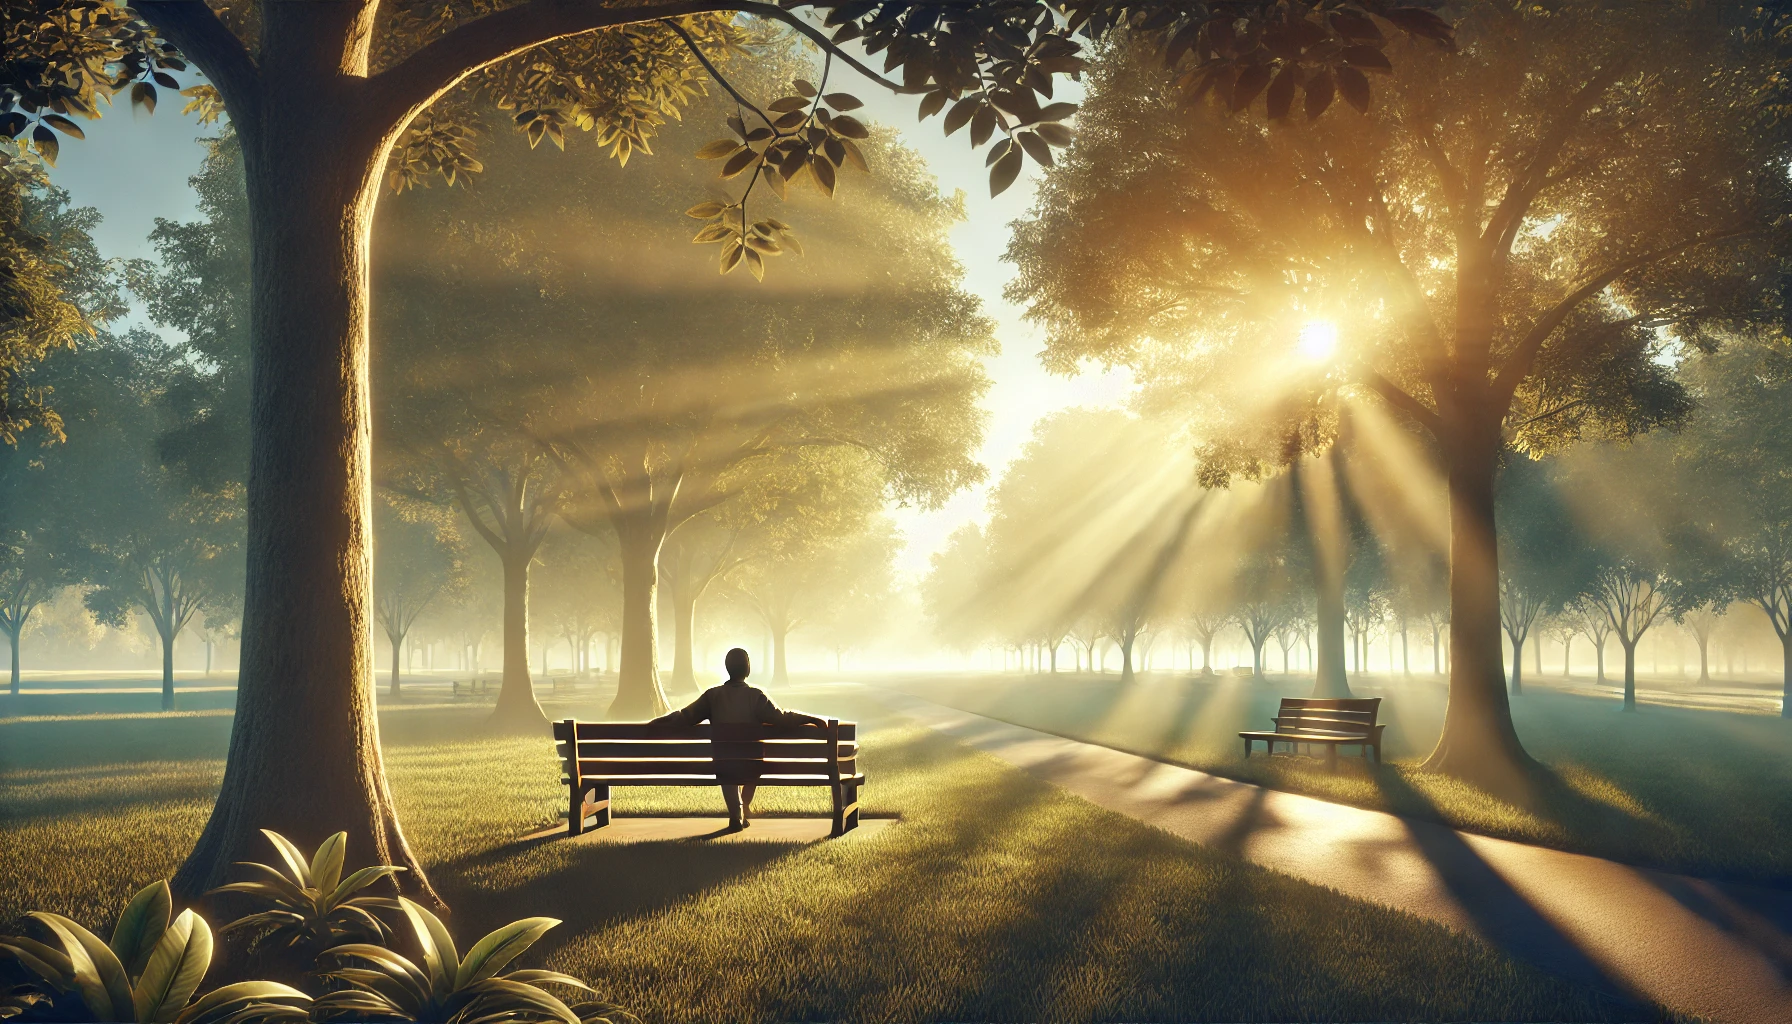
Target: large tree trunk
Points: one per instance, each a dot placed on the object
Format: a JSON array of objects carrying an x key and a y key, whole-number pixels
[
  {"x": 517, "y": 710},
  {"x": 1478, "y": 742},
  {"x": 1126, "y": 673},
  {"x": 638, "y": 693},
  {"x": 304, "y": 750},
  {"x": 1329, "y": 678}
]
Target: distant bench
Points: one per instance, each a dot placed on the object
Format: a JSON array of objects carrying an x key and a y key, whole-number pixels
[
  {"x": 1329, "y": 722},
  {"x": 609, "y": 754}
]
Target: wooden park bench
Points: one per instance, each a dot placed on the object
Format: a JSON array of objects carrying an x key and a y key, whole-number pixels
[
  {"x": 1329, "y": 722},
  {"x": 608, "y": 754}
]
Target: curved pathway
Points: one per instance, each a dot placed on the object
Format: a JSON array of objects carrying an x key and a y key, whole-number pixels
[{"x": 1715, "y": 950}]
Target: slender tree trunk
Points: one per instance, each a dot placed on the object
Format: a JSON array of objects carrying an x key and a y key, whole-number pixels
[
  {"x": 1629, "y": 673},
  {"x": 684, "y": 621},
  {"x": 1437, "y": 652},
  {"x": 1537, "y": 653},
  {"x": 1786, "y": 674},
  {"x": 1517, "y": 664},
  {"x": 208, "y": 657},
  {"x": 1478, "y": 742},
  {"x": 1055, "y": 659},
  {"x": 167, "y": 672},
  {"x": 638, "y": 693},
  {"x": 1126, "y": 660},
  {"x": 397, "y": 640},
  {"x": 1207, "y": 655},
  {"x": 780, "y": 672},
  {"x": 517, "y": 709},
  {"x": 12, "y": 637},
  {"x": 304, "y": 747},
  {"x": 1704, "y": 660},
  {"x": 1567, "y": 655},
  {"x": 1405, "y": 651},
  {"x": 1599, "y": 657}
]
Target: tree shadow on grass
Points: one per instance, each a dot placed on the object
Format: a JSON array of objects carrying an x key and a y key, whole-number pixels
[{"x": 1501, "y": 915}]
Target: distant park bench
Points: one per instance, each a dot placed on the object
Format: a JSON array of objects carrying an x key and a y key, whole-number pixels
[
  {"x": 478, "y": 685},
  {"x": 1328, "y": 722},
  {"x": 635, "y": 754}
]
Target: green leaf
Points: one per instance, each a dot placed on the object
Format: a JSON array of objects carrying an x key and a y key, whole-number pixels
[
  {"x": 98, "y": 975},
  {"x": 706, "y": 211},
  {"x": 1056, "y": 111},
  {"x": 1319, "y": 93},
  {"x": 1281, "y": 93},
  {"x": 439, "y": 955},
  {"x": 1035, "y": 147},
  {"x": 64, "y": 125},
  {"x": 802, "y": 86},
  {"x": 362, "y": 879},
  {"x": 546, "y": 978},
  {"x": 1354, "y": 87},
  {"x": 493, "y": 952},
  {"x": 144, "y": 95},
  {"x": 983, "y": 125},
  {"x": 847, "y": 101},
  {"x": 786, "y": 104},
  {"x": 45, "y": 141},
  {"x": 45, "y": 962},
  {"x": 222, "y": 1002},
  {"x": 295, "y": 860},
  {"x": 174, "y": 971},
  {"x": 1054, "y": 134},
  {"x": 712, "y": 233},
  {"x": 718, "y": 149},
  {"x": 1368, "y": 58},
  {"x": 731, "y": 256},
  {"x": 738, "y": 163},
  {"x": 848, "y": 127},
  {"x": 961, "y": 114},
  {"x": 141, "y": 926},
  {"x": 326, "y": 863},
  {"x": 1004, "y": 172},
  {"x": 1251, "y": 81}
]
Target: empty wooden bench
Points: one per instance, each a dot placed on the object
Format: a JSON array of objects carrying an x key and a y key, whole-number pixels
[
  {"x": 1331, "y": 722},
  {"x": 606, "y": 754}
]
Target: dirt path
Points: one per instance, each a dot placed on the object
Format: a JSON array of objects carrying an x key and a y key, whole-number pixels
[{"x": 1718, "y": 951}]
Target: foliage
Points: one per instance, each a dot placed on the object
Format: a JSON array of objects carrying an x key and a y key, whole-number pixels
[
  {"x": 310, "y": 904},
  {"x": 148, "y": 973},
  {"x": 449, "y": 989}
]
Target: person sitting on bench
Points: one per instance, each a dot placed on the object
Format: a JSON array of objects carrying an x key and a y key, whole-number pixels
[{"x": 736, "y": 703}]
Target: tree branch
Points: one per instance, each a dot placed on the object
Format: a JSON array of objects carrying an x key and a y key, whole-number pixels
[
  {"x": 1518, "y": 364},
  {"x": 197, "y": 32},
  {"x": 1400, "y": 399},
  {"x": 416, "y": 81},
  {"x": 1502, "y": 227}
]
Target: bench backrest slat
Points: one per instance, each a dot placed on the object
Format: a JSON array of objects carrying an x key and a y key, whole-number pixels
[
  {"x": 1328, "y": 714},
  {"x": 612, "y": 749},
  {"x": 643, "y": 731}
]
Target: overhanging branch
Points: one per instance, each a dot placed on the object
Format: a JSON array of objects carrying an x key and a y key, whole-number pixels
[
  {"x": 197, "y": 32},
  {"x": 419, "y": 79},
  {"x": 1398, "y": 397}
]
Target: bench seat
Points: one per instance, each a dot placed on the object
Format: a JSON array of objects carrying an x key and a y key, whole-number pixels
[{"x": 599, "y": 755}]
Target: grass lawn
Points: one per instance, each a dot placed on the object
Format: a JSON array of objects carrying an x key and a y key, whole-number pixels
[
  {"x": 1705, "y": 792},
  {"x": 995, "y": 898}
]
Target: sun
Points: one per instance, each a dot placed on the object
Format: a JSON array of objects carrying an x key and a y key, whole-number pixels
[{"x": 1318, "y": 340}]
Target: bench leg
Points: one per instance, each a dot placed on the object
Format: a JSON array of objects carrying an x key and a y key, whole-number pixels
[
  {"x": 590, "y": 799},
  {"x": 839, "y": 789},
  {"x": 1247, "y": 748}
]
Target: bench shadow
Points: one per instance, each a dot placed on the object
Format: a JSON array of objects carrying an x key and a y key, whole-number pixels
[{"x": 591, "y": 885}]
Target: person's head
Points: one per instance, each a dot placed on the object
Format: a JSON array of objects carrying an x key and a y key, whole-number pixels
[{"x": 739, "y": 667}]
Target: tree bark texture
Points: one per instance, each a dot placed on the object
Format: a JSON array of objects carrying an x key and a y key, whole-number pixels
[
  {"x": 167, "y": 672},
  {"x": 13, "y": 638},
  {"x": 517, "y": 708},
  {"x": 1478, "y": 742},
  {"x": 638, "y": 693},
  {"x": 304, "y": 753},
  {"x": 1629, "y": 673}
]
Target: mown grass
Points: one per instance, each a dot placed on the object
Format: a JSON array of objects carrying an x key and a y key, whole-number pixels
[
  {"x": 1703, "y": 792},
  {"x": 995, "y": 898}
]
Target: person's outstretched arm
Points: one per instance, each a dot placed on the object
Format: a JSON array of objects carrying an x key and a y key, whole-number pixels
[
  {"x": 772, "y": 714},
  {"x": 691, "y": 714}
]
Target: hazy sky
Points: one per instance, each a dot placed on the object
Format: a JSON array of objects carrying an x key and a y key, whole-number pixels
[{"x": 134, "y": 168}]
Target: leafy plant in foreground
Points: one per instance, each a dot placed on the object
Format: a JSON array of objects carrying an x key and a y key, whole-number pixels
[
  {"x": 450, "y": 990},
  {"x": 311, "y": 905},
  {"x": 146, "y": 974}
]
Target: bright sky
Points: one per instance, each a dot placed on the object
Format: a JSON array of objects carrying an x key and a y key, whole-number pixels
[{"x": 134, "y": 168}]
